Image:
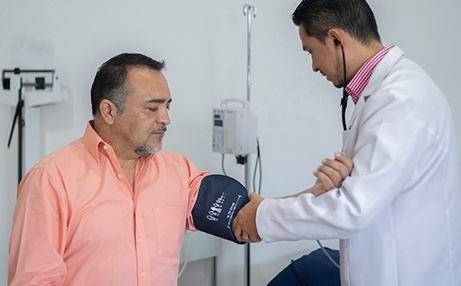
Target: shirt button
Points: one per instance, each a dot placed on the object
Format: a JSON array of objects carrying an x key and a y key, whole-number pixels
[
  {"x": 104, "y": 147},
  {"x": 119, "y": 176},
  {"x": 139, "y": 240},
  {"x": 143, "y": 274}
]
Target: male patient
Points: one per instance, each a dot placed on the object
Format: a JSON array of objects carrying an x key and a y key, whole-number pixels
[{"x": 110, "y": 208}]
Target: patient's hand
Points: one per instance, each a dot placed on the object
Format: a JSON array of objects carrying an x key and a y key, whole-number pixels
[{"x": 332, "y": 173}]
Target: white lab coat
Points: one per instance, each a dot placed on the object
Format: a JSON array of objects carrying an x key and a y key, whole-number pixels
[{"x": 398, "y": 216}]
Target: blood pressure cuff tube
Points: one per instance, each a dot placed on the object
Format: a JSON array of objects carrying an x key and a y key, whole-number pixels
[{"x": 219, "y": 200}]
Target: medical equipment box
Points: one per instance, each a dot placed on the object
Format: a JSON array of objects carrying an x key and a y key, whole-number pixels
[{"x": 234, "y": 128}]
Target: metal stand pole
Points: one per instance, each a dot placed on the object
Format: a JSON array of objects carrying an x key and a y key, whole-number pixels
[
  {"x": 250, "y": 12},
  {"x": 18, "y": 117},
  {"x": 20, "y": 132},
  {"x": 247, "y": 261}
]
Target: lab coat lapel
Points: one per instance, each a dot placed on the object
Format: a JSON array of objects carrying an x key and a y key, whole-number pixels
[{"x": 380, "y": 72}]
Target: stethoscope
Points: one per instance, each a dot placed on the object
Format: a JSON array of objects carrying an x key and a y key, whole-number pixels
[{"x": 343, "y": 102}]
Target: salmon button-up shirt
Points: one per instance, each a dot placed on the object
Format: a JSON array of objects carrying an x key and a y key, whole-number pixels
[{"x": 78, "y": 222}]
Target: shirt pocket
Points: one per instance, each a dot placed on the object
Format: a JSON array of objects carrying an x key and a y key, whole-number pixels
[{"x": 170, "y": 225}]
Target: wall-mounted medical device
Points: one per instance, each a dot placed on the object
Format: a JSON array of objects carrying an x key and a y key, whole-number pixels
[
  {"x": 234, "y": 128},
  {"x": 27, "y": 91}
]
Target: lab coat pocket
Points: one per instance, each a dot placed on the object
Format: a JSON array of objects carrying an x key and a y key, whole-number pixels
[{"x": 170, "y": 224}]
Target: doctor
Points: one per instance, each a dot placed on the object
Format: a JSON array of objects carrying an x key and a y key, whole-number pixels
[{"x": 398, "y": 216}]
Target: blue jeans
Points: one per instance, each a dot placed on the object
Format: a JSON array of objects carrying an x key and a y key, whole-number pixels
[{"x": 314, "y": 269}]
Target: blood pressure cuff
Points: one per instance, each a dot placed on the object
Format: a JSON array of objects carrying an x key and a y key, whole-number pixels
[{"x": 219, "y": 200}]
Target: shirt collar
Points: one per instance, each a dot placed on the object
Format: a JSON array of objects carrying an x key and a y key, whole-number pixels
[
  {"x": 93, "y": 142},
  {"x": 362, "y": 77}
]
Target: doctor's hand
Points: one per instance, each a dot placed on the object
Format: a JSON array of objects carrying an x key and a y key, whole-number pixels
[
  {"x": 332, "y": 173},
  {"x": 244, "y": 224}
]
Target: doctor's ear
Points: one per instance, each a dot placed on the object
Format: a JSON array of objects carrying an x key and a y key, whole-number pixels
[{"x": 335, "y": 35}]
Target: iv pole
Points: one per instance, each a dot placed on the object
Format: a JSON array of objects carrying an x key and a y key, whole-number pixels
[{"x": 250, "y": 12}]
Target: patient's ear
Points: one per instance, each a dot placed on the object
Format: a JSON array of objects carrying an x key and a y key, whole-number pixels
[{"x": 108, "y": 110}]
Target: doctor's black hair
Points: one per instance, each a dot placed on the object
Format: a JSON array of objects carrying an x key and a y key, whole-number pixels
[
  {"x": 353, "y": 16},
  {"x": 109, "y": 82}
]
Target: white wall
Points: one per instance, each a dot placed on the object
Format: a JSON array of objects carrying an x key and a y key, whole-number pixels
[{"x": 204, "y": 45}]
